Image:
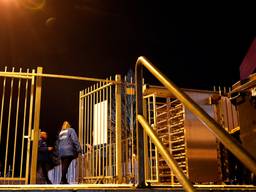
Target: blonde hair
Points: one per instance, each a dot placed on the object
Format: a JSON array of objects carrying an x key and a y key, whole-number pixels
[{"x": 65, "y": 125}]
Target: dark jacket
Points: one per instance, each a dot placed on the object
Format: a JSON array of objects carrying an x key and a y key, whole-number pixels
[
  {"x": 68, "y": 143},
  {"x": 43, "y": 153}
]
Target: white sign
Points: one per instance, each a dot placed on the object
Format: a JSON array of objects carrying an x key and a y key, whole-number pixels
[{"x": 100, "y": 113}]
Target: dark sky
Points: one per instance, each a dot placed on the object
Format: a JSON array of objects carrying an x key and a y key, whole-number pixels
[{"x": 196, "y": 45}]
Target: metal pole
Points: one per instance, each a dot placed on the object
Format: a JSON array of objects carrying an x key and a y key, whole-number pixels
[
  {"x": 118, "y": 130},
  {"x": 90, "y": 126},
  {"x": 31, "y": 106},
  {"x": 111, "y": 158},
  {"x": 24, "y": 126},
  {"x": 107, "y": 125},
  {"x": 8, "y": 128},
  {"x": 16, "y": 128},
  {"x": 156, "y": 150},
  {"x": 139, "y": 128},
  {"x": 36, "y": 126}
]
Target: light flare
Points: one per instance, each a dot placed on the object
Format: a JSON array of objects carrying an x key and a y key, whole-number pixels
[{"x": 33, "y": 4}]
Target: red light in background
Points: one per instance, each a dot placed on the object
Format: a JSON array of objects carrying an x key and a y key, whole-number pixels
[{"x": 249, "y": 62}]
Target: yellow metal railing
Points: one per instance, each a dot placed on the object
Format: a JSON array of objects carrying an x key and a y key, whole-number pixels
[
  {"x": 230, "y": 143},
  {"x": 27, "y": 75},
  {"x": 100, "y": 137},
  {"x": 16, "y": 124}
]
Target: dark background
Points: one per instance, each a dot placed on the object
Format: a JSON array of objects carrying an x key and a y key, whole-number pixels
[{"x": 197, "y": 45}]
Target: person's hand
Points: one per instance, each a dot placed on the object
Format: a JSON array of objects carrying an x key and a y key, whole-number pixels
[
  {"x": 82, "y": 155},
  {"x": 50, "y": 148},
  {"x": 89, "y": 147}
]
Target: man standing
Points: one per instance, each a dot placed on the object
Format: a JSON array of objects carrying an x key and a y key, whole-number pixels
[{"x": 44, "y": 156}]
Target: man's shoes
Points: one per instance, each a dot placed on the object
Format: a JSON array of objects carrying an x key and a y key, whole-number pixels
[{"x": 64, "y": 182}]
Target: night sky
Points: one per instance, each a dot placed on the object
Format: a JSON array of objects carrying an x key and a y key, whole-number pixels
[{"x": 196, "y": 45}]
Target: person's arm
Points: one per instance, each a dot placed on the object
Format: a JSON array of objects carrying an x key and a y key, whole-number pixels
[{"x": 75, "y": 141}]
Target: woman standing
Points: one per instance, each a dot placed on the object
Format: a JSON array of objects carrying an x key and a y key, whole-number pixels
[{"x": 69, "y": 148}]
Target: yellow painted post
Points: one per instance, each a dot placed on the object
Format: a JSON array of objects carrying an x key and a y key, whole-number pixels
[
  {"x": 36, "y": 126},
  {"x": 118, "y": 129},
  {"x": 30, "y": 114},
  {"x": 146, "y": 158},
  {"x": 111, "y": 158}
]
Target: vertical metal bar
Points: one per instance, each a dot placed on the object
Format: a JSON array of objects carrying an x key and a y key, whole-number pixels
[
  {"x": 100, "y": 132},
  {"x": 132, "y": 135},
  {"x": 81, "y": 119},
  {"x": 232, "y": 114},
  {"x": 8, "y": 127},
  {"x": 126, "y": 157},
  {"x": 139, "y": 128},
  {"x": 123, "y": 132},
  {"x": 111, "y": 159},
  {"x": 83, "y": 132},
  {"x": 94, "y": 131},
  {"x": 80, "y": 133},
  {"x": 24, "y": 125},
  {"x": 97, "y": 139},
  {"x": 225, "y": 114},
  {"x": 104, "y": 133},
  {"x": 118, "y": 129},
  {"x": 186, "y": 144},
  {"x": 156, "y": 150},
  {"x": 2, "y": 107},
  {"x": 114, "y": 138},
  {"x": 30, "y": 126},
  {"x": 36, "y": 126},
  {"x": 91, "y": 134},
  {"x": 86, "y": 127},
  {"x": 150, "y": 141},
  {"x": 107, "y": 125},
  {"x": 147, "y": 141},
  {"x": 88, "y": 120},
  {"x": 16, "y": 127}
]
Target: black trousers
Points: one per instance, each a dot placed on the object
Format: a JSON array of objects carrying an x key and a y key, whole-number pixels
[
  {"x": 65, "y": 162},
  {"x": 44, "y": 165}
]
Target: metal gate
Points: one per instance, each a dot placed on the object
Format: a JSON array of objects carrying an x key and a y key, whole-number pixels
[
  {"x": 106, "y": 132},
  {"x": 20, "y": 94}
]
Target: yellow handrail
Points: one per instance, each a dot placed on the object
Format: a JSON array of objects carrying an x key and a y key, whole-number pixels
[{"x": 228, "y": 141}]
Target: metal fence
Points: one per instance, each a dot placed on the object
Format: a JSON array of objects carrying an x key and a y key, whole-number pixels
[
  {"x": 106, "y": 129},
  {"x": 17, "y": 94},
  {"x": 106, "y": 132}
]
